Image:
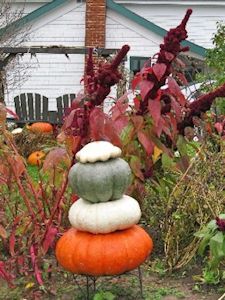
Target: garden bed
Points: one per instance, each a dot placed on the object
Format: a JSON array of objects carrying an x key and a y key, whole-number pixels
[{"x": 61, "y": 285}]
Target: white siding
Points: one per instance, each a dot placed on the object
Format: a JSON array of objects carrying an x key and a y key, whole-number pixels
[
  {"x": 121, "y": 30},
  {"x": 53, "y": 75},
  {"x": 201, "y": 25}
]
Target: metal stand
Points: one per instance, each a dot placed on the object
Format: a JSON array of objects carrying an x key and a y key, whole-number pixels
[{"x": 90, "y": 282}]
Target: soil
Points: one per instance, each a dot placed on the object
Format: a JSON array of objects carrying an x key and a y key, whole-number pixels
[{"x": 65, "y": 286}]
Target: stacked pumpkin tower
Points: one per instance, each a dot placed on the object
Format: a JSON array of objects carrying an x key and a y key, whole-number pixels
[{"x": 104, "y": 238}]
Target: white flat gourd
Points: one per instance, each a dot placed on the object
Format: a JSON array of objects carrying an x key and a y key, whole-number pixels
[
  {"x": 98, "y": 151},
  {"x": 17, "y": 130},
  {"x": 105, "y": 217}
]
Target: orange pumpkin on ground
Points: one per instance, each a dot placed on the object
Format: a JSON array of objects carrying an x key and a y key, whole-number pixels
[
  {"x": 41, "y": 127},
  {"x": 36, "y": 158},
  {"x": 103, "y": 254}
]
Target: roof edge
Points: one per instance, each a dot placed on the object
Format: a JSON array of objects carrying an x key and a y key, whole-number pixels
[
  {"x": 199, "y": 50},
  {"x": 33, "y": 15}
]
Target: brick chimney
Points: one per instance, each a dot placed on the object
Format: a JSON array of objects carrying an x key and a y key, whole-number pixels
[{"x": 95, "y": 23}]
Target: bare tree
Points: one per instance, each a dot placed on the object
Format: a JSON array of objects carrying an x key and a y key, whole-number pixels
[{"x": 12, "y": 34}]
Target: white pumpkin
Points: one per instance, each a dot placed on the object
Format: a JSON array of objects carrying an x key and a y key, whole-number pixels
[
  {"x": 98, "y": 151},
  {"x": 17, "y": 130},
  {"x": 104, "y": 217}
]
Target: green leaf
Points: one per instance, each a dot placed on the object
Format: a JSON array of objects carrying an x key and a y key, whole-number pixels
[
  {"x": 167, "y": 162},
  {"x": 192, "y": 148},
  {"x": 125, "y": 134},
  {"x": 217, "y": 245},
  {"x": 135, "y": 164},
  {"x": 104, "y": 296},
  {"x": 204, "y": 243},
  {"x": 209, "y": 228},
  {"x": 211, "y": 276},
  {"x": 206, "y": 233},
  {"x": 212, "y": 225},
  {"x": 182, "y": 145},
  {"x": 222, "y": 216}
]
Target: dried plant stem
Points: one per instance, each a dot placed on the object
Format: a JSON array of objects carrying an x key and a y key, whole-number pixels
[
  {"x": 44, "y": 198},
  {"x": 22, "y": 191},
  {"x": 183, "y": 176},
  {"x": 193, "y": 202},
  {"x": 59, "y": 195},
  {"x": 11, "y": 144},
  {"x": 222, "y": 297}
]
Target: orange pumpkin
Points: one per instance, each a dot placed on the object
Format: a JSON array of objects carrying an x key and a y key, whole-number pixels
[
  {"x": 103, "y": 254},
  {"x": 41, "y": 127},
  {"x": 36, "y": 158}
]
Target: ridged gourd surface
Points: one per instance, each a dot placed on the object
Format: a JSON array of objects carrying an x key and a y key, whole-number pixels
[
  {"x": 105, "y": 217},
  {"x": 100, "y": 181},
  {"x": 103, "y": 254}
]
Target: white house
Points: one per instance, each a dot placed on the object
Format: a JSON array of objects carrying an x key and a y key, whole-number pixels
[{"x": 107, "y": 24}]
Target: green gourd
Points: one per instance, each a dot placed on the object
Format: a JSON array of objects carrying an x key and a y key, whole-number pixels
[{"x": 100, "y": 181}]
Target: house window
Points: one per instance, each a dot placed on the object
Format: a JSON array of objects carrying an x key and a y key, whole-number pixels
[
  {"x": 137, "y": 62},
  {"x": 191, "y": 73},
  {"x": 192, "y": 67}
]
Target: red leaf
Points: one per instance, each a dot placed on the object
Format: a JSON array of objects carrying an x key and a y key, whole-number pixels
[
  {"x": 69, "y": 119},
  {"x": 74, "y": 198},
  {"x": 12, "y": 113},
  {"x": 12, "y": 241},
  {"x": 173, "y": 86},
  {"x": 56, "y": 157},
  {"x": 5, "y": 275},
  {"x": 120, "y": 123},
  {"x": 97, "y": 120},
  {"x": 138, "y": 122},
  {"x": 137, "y": 79},
  {"x": 137, "y": 103},
  {"x": 166, "y": 127},
  {"x": 145, "y": 71},
  {"x": 135, "y": 165},
  {"x": 146, "y": 142},
  {"x": 49, "y": 239},
  {"x": 219, "y": 127},
  {"x": 159, "y": 70},
  {"x": 110, "y": 133},
  {"x": 75, "y": 143},
  {"x": 120, "y": 107},
  {"x": 102, "y": 128},
  {"x": 12, "y": 238},
  {"x": 158, "y": 129},
  {"x": 145, "y": 88},
  {"x": 173, "y": 124},
  {"x": 76, "y": 102},
  {"x": 35, "y": 265},
  {"x": 3, "y": 232},
  {"x": 20, "y": 263},
  {"x": 175, "y": 90},
  {"x": 176, "y": 108},
  {"x": 4, "y": 172},
  {"x": 154, "y": 107},
  {"x": 18, "y": 163}
]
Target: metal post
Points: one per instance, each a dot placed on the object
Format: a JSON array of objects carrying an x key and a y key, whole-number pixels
[
  {"x": 140, "y": 281},
  {"x": 87, "y": 287},
  {"x": 93, "y": 279},
  {"x": 94, "y": 283}
]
